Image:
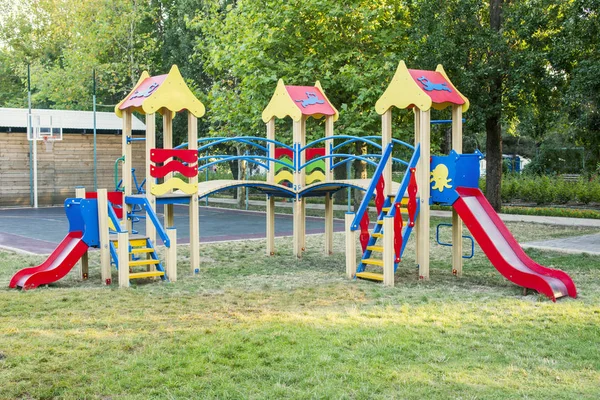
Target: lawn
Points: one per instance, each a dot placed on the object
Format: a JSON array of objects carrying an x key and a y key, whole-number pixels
[{"x": 251, "y": 326}]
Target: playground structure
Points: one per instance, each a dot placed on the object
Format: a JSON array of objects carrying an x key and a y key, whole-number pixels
[
  {"x": 296, "y": 171},
  {"x": 449, "y": 180}
]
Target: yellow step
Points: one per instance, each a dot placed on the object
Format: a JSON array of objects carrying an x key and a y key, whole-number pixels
[
  {"x": 141, "y": 250},
  {"x": 380, "y": 222},
  {"x": 372, "y": 261},
  {"x": 377, "y": 235},
  {"x": 149, "y": 274},
  {"x": 132, "y": 242},
  {"x": 375, "y": 248},
  {"x": 386, "y": 209},
  {"x": 139, "y": 263},
  {"x": 402, "y": 209},
  {"x": 372, "y": 276}
]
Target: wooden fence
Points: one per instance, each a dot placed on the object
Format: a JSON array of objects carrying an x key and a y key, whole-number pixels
[{"x": 62, "y": 166}]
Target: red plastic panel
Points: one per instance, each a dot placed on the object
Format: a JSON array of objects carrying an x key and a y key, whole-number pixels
[
  {"x": 314, "y": 153},
  {"x": 440, "y": 90},
  {"x": 159, "y": 156},
  {"x": 173, "y": 166},
  {"x": 412, "y": 198},
  {"x": 310, "y": 100},
  {"x": 364, "y": 231},
  {"x": 115, "y": 198},
  {"x": 281, "y": 151},
  {"x": 379, "y": 195},
  {"x": 143, "y": 91},
  {"x": 397, "y": 232}
]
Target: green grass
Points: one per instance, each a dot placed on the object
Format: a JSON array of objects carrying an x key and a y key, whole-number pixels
[{"x": 251, "y": 326}]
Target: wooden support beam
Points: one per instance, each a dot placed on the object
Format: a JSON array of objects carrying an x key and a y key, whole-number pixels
[
  {"x": 270, "y": 225},
  {"x": 123, "y": 254},
  {"x": 417, "y": 128},
  {"x": 271, "y": 148},
  {"x": 171, "y": 255},
  {"x": 386, "y": 138},
  {"x": 328, "y": 224},
  {"x": 297, "y": 238},
  {"x": 127, "y": 165},
  {"x": 350, "y": 247},
  {"x": 328, "y": 144},
  {"x": 457, "y": 245},
  {"x": 423, "y": 183},
  {"x": 150, "y": 144},
  {"x": 194, "y": 220},
  {"x": 388, "y": 251},
  {"x": 105, "y": 272}
]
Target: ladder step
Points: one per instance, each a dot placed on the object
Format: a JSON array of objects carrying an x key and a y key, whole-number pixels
[
  {"x": 375, "y": 248},
  {"x": 380, "y": 222},
  {"x": 402, "y": 209},
  {"x": 386, "y": 209},
  {"x": 372, "y": 276},
  {"x": 377, "y": 235},
  {"x": 372, "y": 261},
  {"x": 149, "y": 274},
  {"x": 142, "y": 250},
  {"x": 140, "y": 263}
]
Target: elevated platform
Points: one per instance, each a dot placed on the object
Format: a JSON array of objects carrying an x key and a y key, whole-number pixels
[{"x": 318, "y": 189}]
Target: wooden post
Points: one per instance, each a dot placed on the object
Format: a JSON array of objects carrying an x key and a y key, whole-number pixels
[
  {"x": 127, "y": 165},
  {"x": 297, "y": 184},
  {"x": 328, "y": 224},
  {"x": 171, "y": 256},
  {"x": 388, "y": 251},
  {"x": 194, "y": 205},
  {"x": 150, "y": 144},
  {"x": 386, "y": 138},
  {"x": 271, "y": 179},
  {"x": 83, "y": 264},
  {"x": 105, "y": 272},
  {"x": 270, "y": 225},
  {"x": 423, "y": 186},
  {"x": 303, "y": 184},
  {"x": 350, "y": 247},
  {"x": 417, "y": 127},
  {"x": 457, "y": 248},
  {"x": 328, "y": 143},
  {"x": 123, "y": 253}
]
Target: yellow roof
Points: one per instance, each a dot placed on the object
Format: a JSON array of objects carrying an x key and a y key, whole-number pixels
[
  {"x": 154, "y": 94},
  {"x": 422, "y": 89},
  {"x": 296, "y": 101}
]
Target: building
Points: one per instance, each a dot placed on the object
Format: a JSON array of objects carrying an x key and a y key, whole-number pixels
[{"x": 65, "y": 164}]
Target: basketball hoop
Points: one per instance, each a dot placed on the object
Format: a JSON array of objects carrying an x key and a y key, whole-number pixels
[{"x": 48, "y": 141}]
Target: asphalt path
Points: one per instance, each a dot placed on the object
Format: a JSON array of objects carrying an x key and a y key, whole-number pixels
[{"x": 39, "y": 230}]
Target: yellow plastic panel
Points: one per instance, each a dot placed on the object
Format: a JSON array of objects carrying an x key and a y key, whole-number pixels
[
  {"x": 402, "y": 92},
  {"x": 174, "y": 95},
  {"x": 174, "y": 184},
  {"x": 281, "y": 105}
]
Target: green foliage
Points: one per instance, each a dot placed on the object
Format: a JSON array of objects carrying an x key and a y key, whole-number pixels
[{"x": 549, "y": 189}]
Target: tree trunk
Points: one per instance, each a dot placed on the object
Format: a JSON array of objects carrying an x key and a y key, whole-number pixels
[{"x": 493, "y": 126}]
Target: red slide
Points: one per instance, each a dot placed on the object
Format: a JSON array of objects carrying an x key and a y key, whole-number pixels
[
  {"x": 504, "y": 252},
  {"x": 60, "y": 262}
]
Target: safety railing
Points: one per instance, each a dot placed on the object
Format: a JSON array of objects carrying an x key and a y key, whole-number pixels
[{"x": 371, "y": 189}]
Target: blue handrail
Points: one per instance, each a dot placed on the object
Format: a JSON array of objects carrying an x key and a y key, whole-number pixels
[
  {"x": 250, "y": 158},
  {"x": 412, "y": 164},
  {"x": 349, "y": 157},
  {"x": 113, "y": 217},
  {"x": 378, "y": 172},
  {"x": 241, "y": 139}
]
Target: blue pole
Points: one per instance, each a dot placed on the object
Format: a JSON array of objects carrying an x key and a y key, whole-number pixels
[{"x": 349, "y": 188}]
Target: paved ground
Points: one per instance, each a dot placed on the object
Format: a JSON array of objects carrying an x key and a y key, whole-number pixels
[{"x": 40, "y": 230}]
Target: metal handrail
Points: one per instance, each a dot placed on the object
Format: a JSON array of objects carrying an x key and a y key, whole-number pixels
[
  {"x": 369, "y": 193},
  {"x": 412, "y": 164}
]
